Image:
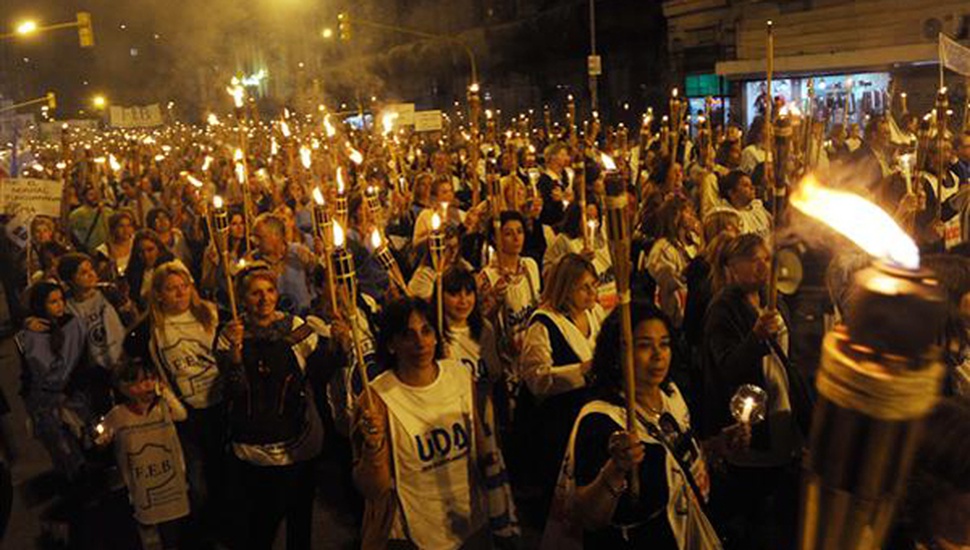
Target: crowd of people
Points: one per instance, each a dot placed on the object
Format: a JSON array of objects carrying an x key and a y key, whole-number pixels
[{"x": 192, "y": 342}]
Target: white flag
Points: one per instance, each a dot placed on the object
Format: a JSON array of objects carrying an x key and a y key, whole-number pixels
[{"x": 954, "y": 56}]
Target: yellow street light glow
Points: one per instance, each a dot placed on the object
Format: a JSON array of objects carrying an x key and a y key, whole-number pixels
[
  {"x": 327, "y": 33},
  {"x": 99, "y": 102},
  {"x": 27, "y": 27}
]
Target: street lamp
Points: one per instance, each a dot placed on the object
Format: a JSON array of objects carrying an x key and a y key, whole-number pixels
[
  {"x": 327, "y": 33},
  {"x": 27, "y": 27},
  {"x": 99, "y": 102}
]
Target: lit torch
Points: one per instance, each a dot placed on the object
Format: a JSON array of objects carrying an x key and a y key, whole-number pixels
[
  {"x": 323, "y": 228},
  {"x": 436, "y": 245},
  {"x": 220, "y": 217},
  {"x": 386, "y": 258},
  {"x": 340, "y": 208},
  {"x": 880, "y": 376},
  {"x": 346, "y": 276},
  {"x": 618, "y": 231}
]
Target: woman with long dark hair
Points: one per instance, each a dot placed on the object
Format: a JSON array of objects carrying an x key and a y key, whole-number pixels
[
  {"x": 592, "y": 494},
  {"x": 469, "y": 337},
  {"x": 424, "y": 458},
  {"x": 679, "y": 235},
  {"x": 148, "y": 252}
]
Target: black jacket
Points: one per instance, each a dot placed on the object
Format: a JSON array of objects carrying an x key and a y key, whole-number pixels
[{"x": 733, "y": 355}]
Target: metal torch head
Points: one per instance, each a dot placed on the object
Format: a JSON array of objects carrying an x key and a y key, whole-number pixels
[
  {"x": 436, "y": 243},
  {"x": 895, "y": 311},
  {"x": 385, "y": 257},
  {"x": 616, "y": 207}
]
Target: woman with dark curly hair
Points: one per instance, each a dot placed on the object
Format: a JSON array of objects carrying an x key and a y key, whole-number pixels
[{"x": 592, "y": 495}]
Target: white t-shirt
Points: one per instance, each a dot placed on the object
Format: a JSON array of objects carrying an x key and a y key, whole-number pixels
[
  {"x": 479, "y": 356},
  {"x": 521, "y": 296},
  {"x": 432, "y": 429},
  {"x": 184, "y": 348},
  {"x": 150, "y": 459}
]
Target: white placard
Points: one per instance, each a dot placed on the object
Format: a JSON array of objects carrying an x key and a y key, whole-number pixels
[
  {"x": 427, "y": 121},
  {"x": 31, "y": 197},
  {"x": 136, "y": 117}
]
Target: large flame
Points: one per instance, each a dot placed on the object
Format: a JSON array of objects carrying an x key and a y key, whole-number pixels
[
  {"x": 317, "y": 196},
  {"x": 217, "y": 202},
  {"x": 861, "y": 221},
  {"x": 375, "y": 239},
  {"x": 435, "y": 222},
  {"x": 331, "y": 131}
]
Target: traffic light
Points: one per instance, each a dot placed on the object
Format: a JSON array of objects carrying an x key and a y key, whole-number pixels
[
  {"x": 85, "y": 32},
  {"x": 343, "y": 26},
  {"x": 51, "y": 101}
]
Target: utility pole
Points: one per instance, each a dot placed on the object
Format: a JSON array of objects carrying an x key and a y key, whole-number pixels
[{"x": 594, "y": 64}]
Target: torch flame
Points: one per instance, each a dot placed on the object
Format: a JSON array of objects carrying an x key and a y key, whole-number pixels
[
  {"x": 338, "y": 235},
  {"x": 305, "y": 157},
  {"x": 435, "y": 222},
  {"x": 285, "y": 128},
  {"x": 240, "y": 172},
  {"x": 237, "y": 92},
  {"x": 355, "y": 155},
  {"x": 608, "y": 163},
  {"x": 331, "y": 131},
  {"x": 206, "y": 163},
  {"x": 193, "y": 180},
  {"x": 375, "y": 239},
  {"x": 238, "y": 155},
  {"x": 115, "y": 165},
  {"x": 340, "y": 180},
  {"x": 387, "y": 121},
  {"x": 861, "y": 221},
  {"x": 318, "y": 196},
  {"x": 212, "y": 119},
  {"x": 274, "y": 147},
  {"x": 217, "y": 202}
]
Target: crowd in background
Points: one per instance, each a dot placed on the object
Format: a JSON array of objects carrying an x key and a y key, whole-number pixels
[{"x": 192, "y": 375}]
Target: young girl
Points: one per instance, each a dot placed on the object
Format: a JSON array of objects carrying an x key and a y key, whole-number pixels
[
  {"x": 51, "y": 355},
  {"x": 149, "y": 454}
]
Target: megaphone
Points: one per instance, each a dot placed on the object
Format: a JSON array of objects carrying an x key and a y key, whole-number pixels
[{"x": 790, "y": 272}]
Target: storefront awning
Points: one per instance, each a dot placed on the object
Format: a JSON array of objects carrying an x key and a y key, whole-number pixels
[{"x": 869, "y": 58}]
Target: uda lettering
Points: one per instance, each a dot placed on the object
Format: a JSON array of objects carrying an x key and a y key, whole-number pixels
[{"x": 442, "y": 444}]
